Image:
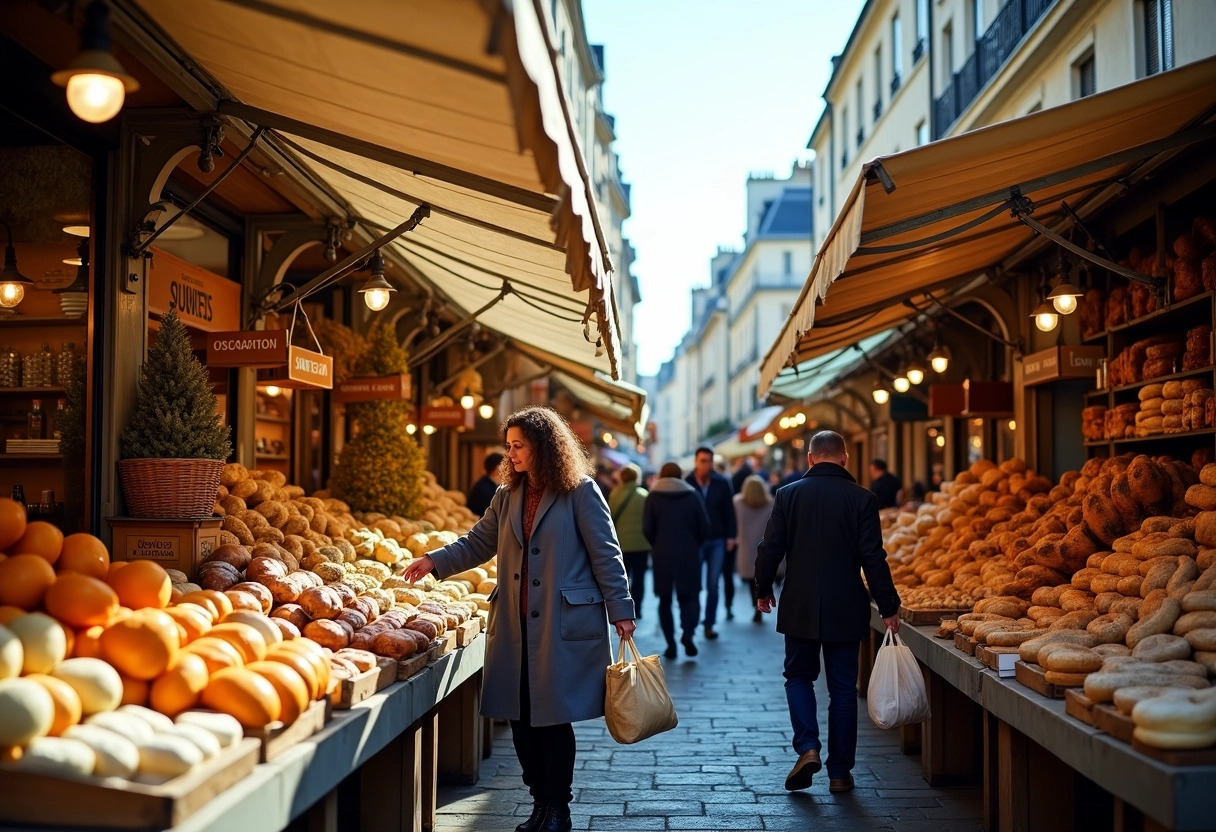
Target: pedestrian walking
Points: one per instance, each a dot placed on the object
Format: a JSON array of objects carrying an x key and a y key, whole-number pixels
[
  {"x": 885, "y": 485},
  {"x": 753, "y": 505},
  {"x": 675, "y": 523},
  {"x": 825, "y": 527},
  {"x": 716, "y": 495},
  {"x": 627, "y": 502},
  {"x": 483, "y": 490},
  {"x": 561, "y": 581}
]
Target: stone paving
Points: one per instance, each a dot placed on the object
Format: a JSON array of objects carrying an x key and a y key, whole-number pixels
[{"x": 723, "y": 767}]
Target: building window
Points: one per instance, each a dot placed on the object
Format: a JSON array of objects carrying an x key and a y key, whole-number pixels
[
  {"x": 977, "y": 13},
  {"x": 897, "y": 47},
  {"x": 1084, "y": 77},
  {"x": 787, "y": 262},
  {"x": 922, "y": 133},
  {"x": 948, "y": 54},
  {"x": 878, "y": 76},
  {"x": 844, "y": 138},
  {"x": 922, "y": 29},
  {"x": 861, "y": 108},
  {"x": 1158, "y": 36}
]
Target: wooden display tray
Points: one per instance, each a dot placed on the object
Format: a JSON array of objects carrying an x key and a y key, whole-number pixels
[
  {"x": 1108, "y": 720},
  {"x": 964, "y": 643},
  {"x": 441, "y": 646},
  {"x": 1035, "y": 678},
  {"x": 408, "y": 667},
  {"x": 276, "y": 737},
  {"x": 353, "y": 691},
  {"x": 991, "y": 657},
  {"x": 468, "y": 631},
  {"x": 112, "y": 803},
  {"x": 1078, "y": 706},
  {"x": 1178, "y": 756},
  {"x": 918, "y": 618}
]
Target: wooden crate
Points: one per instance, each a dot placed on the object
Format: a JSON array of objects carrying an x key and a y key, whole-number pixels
[
  {"x": 174, "y": 544},
  {"x": 353, "y": 691},
  {"x": 1035, "y": 678},
  {"x": 468, "y": 631},
  {"x": 918, "y": 618},
  {"x": 442, "y": 646},
  {"x": 1000, "y": 659},
  {"x": 1108, "y": 720},
  {"x": 1078, "y": 706},
  {"x": 277, "y": 737},
  {"x": 965, "y": 643},
  {"x": 1178, "y": 757},
  {"x": 408, "y": 667},
  {"x": 110, "y": 803}
]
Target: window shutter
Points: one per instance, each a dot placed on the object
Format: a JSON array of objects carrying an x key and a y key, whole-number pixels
[
  {"x": 1152, "y": 38},
  {"x": 1167, "y": 34}
]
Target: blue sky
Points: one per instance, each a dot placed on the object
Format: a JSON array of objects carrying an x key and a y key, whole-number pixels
[{"x": 705, "y": 92}]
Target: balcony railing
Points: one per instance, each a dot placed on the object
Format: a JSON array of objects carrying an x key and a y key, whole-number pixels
[
  {"x": 861, "y": 136},
  {"x": 895, "y": 82},
  {"x": 918, "y": 51},
  {"x": 877, "y": 110},
  {"x": 1012, "y": 23}
]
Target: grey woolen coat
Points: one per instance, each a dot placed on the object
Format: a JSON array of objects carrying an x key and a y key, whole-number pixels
[{"x": 577, "y": 584}]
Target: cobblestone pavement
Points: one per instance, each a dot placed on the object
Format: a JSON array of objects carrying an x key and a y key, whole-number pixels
[{"x": 724, "y": 766}]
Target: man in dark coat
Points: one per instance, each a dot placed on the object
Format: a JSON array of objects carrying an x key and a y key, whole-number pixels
[
  {"x": 825, "y": 527},
  {"x": 674, "y": 521},
  {"x": 718, "y": 498},
  {"x": 884, "y": 484},
  {"x": 483, "y": 490}
]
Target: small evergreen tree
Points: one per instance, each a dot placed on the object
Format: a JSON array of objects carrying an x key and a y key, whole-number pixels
[
  {"x": 380, "y": 469},
  {"x": 175, "y": 409}
]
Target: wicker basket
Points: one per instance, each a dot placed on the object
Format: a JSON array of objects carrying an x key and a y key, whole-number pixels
[{"x": 170, "y": 488}]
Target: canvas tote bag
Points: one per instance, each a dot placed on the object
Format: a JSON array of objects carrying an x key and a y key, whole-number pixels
[{"x": 637, "y": 704}]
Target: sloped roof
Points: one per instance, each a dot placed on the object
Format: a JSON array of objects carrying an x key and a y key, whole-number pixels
[{"x": 788, "y": 216}]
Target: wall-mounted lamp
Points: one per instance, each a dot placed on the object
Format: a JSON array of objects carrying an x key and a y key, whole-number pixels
[
  {"x": 74, "y": 298},
  {"x": 377, "y": 291},
  {"x": 12, "y": 282},
  {"x": 96, "y": 83}
]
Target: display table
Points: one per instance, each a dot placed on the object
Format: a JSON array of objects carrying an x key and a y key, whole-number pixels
[
  {"x": 1017, "y": 723},
  {"x": 304, "y": 778}
]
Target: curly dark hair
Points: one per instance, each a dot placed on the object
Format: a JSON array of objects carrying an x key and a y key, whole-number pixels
[{"x": 559, "y": 460}]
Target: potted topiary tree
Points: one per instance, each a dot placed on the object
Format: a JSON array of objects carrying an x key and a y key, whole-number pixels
[{"x": 172, "y": 451}]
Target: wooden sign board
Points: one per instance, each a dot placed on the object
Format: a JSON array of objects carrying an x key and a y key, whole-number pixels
[
  {"x": 946, "y": 400},
  {"x": 1060, "y": 362},
  {"x": 988, "y": 398},
  {"x": 395, "y": 387},
  {"x": 446, "y": 416},
  {"x": 247, "y": 348},
  {"x": 304, "y": 369},
  {"x": 203, "y": 299}
]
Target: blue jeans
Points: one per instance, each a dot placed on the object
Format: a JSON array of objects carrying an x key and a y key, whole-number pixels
[
  {"x": 713, "y": 554},
  {"x": 801, "y": 671}
]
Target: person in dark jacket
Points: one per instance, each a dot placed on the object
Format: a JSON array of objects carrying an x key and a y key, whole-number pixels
[
  {"x": 718, "y": 498},
  {"x": 885, "y": 485},
  {"x": 825, "y": 527},
  {"x": 675, "y": 523},
  {"x": 483, "y": 490}
]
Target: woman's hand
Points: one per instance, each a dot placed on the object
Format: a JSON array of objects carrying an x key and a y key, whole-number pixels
[
  {"x": 625, "y": 627},
  {"x": 418, "y": 569}
]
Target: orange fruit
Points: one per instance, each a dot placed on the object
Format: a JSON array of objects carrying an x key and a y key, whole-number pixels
[
  {"x": 245, "y": 695},
  {"x": 80, "y": 601},
  {"x": 216, "y": 652},
  {"x": 134, "y": 691},
  {"x": 142, "y": 583},
  {"x": 41, "y": 538},
  {"x": 142, "y": 645},
  {"x": 115, "y": 565},
  {"x": 85, "y": 554},
  {"x": 68, "y": 708},
  {"x": 88, "y": 643},
  {"x": 302, "y": 665},
  {"x": 248, "y": 641},
  {"x": 12, "y": 522},
  {"x": 8, "y": 612},
  {"x": 288, "y": 684},
  {"x": 193, "y": 620},
  {"x": 24, "y": 579},
  {"x": 179, "y": 688}
]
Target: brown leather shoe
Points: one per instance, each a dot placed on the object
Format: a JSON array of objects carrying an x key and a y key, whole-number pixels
[
  {"x": 802, "y": 772},
  {"x": 841, "y": 784}
]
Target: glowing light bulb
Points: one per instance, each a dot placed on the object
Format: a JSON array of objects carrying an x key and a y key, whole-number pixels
[
  {"x": 411, "y": 428},
  {"x": 1013, "y": 425},
  {"x": 486, "y": 411},
  {"x": 273, "y": 390},
  {"x": 607, "y": 437},
  {"x": 801, "y": 418},
  {"x": 466, "y": 401},
  {"x": 428, "y": 429},
  {"x": 784, "y": 422},
  {"x": 95, "y": 98},
  {"x": 901, "y": 384},
  {"x": 881, "y": 395},
  {"x": 376, "y": 299},
  {"x": 1065, "y": 304},
  {"x": 11, "y": 294},
  {"x": 940, "y": 441},
  {"x": 939, "y": 363},
  {"x": 770, "y": 438},
  {"x": 1046, "y": 321},
  {"x": 915, "y": 374}
]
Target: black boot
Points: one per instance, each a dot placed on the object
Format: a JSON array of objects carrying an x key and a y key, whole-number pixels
[
  {"x": 690, "y": 646},
  {"x": 557, "y": 819},
  {"x": 534, "y": 821}
]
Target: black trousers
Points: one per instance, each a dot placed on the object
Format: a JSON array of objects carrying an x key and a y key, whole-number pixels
[
  {"x": 690, "y": 604},
  {"x": 546, "y": 753},
  {"x": 728, "y": 577},
  {"x": 635, "y": 565}
]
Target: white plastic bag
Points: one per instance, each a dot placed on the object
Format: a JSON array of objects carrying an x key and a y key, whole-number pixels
[{"x": 896, "y": 695}]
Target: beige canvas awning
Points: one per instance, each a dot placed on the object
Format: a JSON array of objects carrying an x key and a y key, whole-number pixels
[
  {"x": 929, "y": 219},
  {"x": 620, "y": 405},
  {"x": 455, "y": 104}
]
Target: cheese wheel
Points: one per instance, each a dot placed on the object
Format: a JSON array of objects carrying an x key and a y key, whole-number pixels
[
  {"x": 223, "y": 727},
  {"x": 156, "y": 720},
  {"x": 126, "y": 725},
  {"x": 116, "y": 756},
  {"x": 207, "y": 742},
  {"x": 58, "y": 756},
  {"x": 27, "y": 710},
  {"x": 98, "y": 684},
  {"x": 165, "y": 756}
]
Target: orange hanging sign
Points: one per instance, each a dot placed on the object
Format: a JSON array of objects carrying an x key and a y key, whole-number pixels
[{"x": 203, "y": 299}]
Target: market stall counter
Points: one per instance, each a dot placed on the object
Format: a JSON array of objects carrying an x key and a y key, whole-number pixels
[{"x": 1041, "y": 767}]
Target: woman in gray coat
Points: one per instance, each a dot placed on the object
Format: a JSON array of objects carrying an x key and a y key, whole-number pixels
[{"x": 561, "y": 580}]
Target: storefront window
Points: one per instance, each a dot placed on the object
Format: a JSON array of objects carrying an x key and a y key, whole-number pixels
[{"x": 976, "y": 449}]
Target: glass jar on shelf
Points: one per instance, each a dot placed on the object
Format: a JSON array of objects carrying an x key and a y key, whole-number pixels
[
  {"x": 31, "y": 373},
  {"x": 10, "y": 367},
  {"x": 46, "y": 365},
  {"x": 65, "y": 363}
]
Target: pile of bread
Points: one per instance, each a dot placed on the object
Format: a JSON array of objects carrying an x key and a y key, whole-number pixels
[
  {"x": 1094, "y": 423},
  {"x": 1175, "y": 407}
]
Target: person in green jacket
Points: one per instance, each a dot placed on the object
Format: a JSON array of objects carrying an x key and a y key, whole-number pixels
[{"x": 626, "y": 503}]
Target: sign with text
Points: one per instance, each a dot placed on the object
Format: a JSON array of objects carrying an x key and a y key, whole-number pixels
[
  {"x": 1061, "y": 362},
  {"x": 395, "y": 387},
  {"x": 247, "y": 348},
  {"x": 304, "y": 369},
  {"x": 203, "y": 299},
  {"x": 446, "y": 416}
]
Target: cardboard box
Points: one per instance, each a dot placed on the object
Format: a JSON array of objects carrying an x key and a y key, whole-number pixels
[{"x": 174, "y": 544}]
